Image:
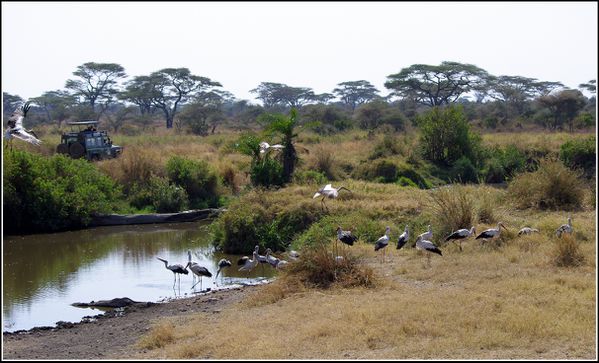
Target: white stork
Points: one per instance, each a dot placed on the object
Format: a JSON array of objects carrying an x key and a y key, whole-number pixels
[
  {"x": 428, "y": 235},
  {"x": 264, "y": 147},
  {"x": 16, "y": 129},
  {"x": 382, "y": 242},
  {"x": 527, "y": 230},
  {"x": 564, "y": 228},
  {"x": 460, "y": 235},
  {"x": 328, "y": 192},
  {"x": 403, "y": 238},
  {"x": 422, "y": 244},
  {"x": 491, "y": 232}
]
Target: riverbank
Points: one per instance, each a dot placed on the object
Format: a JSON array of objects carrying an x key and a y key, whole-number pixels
[
  {"x": 113, "y": 335},
  {"x": 480, "y": 303}
]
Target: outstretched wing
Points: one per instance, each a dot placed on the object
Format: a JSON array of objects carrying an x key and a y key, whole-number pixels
[{"x": 26, "y": 136}]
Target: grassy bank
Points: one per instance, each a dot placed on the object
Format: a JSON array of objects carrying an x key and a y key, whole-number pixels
[{"x": 508, "y": 299}]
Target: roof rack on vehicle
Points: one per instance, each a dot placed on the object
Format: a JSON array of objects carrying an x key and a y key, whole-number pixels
[{"x": 88, "y": 122}]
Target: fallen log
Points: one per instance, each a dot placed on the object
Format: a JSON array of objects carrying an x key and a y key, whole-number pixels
[
  {"x": 118, "y": 302},
  {"x": 124, "y": 219}
]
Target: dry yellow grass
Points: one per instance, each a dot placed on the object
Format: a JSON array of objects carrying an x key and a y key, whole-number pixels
[{"x": 509, "y": 302}]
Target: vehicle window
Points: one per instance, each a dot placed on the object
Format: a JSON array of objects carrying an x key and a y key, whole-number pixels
[
  {"x": 98, "y": 141},
  {"x": 91, "y": 142}
]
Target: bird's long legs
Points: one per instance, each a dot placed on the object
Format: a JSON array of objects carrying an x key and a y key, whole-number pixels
[{"x": 199, "y": 282}]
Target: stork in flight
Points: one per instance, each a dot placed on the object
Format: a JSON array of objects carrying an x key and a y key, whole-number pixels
[
  {"x": 328, "y": 192},
  {"x": 264, "y": 147},
  {"x": 16, "y": 129}
]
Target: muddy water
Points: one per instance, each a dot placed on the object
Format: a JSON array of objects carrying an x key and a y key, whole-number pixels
[{"x": 44, "y": 274}]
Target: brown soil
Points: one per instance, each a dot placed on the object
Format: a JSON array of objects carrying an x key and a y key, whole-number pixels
[{"x": 113, "y": 335}]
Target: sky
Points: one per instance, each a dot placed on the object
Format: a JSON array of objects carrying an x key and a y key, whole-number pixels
[{"x": 300, "y": 44}]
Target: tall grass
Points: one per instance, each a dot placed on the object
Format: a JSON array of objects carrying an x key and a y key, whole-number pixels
[
  {"x": 453, "y": 208},
  {"x": 552, "y": 186},
  {"x": 566, "y": 252}
]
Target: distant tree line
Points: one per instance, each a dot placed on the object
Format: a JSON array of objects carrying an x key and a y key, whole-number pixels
[{"x": 199, "y": 104}]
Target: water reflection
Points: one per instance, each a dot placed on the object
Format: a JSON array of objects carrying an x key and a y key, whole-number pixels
[{"x": 44, "y": 274}]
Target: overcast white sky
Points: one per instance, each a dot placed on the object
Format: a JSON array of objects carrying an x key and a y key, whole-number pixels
[{"x": 300, "y": 44}]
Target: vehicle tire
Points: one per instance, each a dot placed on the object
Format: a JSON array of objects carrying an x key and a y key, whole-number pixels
[
  {"x": 76, "y": 150},
  {"x": 62, "y": 149}
]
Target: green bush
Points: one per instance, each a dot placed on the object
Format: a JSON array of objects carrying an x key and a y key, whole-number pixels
[
  {"x": 504, "y": 164},
  {"x": 263, "y": 219},
  {"x": 53, "y": 193},
  {"x": 406, "y": 182},
  {"x": 382, "y": 171},
  {"x": 464, "y": 171},
  {"x": 445, "y": 135},
  {"x": 197, "y": 178},
  {"x": 389, "y": 146},
  {"x": 580, "y": 154},
  {"x": 163, "y": 196},
  {"x": 267, "y": 172},
  {"x": 406, "y": 171}
]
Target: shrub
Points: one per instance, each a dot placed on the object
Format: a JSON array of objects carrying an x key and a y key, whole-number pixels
[
  {"x": 163, "y": 196},
  {"x": 384, "y": 171},
  {"x": 464, "y": 171},
  {"x": 267, "y": 172},
  {"x": 265, "y": 219},
  {"x": 452, "y": 208},
  {"x": 406, "y": 182},
  {"x": 309, "y": 177},
  {"x": 552, "y": 186},
  {"x": 53, "y": 193},
  {"x": 326, "y": 163},
  {"x": 389, "y": 146},
  {"x": 319, "y": 268},
  {"x": 504, "y": 163},
  {"x": 446, "y": 136},
  {"x": 567, "y": 252},
  {"x": 197, "y": 179},
  {"x": 580, "y": 154},
  {"x": 406, "y": 171}
]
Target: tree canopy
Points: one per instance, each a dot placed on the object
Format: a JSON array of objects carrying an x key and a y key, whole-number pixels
[{"x": 436, "y": 85}]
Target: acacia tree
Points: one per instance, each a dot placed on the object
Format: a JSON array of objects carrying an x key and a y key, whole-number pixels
[
  {"x": 590, "y": 86},
  {"x": 56, "y": 105},
  {"x": 513, "y": 92},
  {"x": 275, "y": 94},
  {"x": 354, "y": 93},
  {"x": 117, "y": 119},
  {"x": 174, "y": 86},
  {"x": 97, "y": 83},
  {"x": 140, "y": 91},
  {"x": 564, "y": 107},
  {"x": 436, "y": 85}
]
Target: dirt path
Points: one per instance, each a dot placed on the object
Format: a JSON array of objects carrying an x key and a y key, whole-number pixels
[{"x": 113, "y": 335}]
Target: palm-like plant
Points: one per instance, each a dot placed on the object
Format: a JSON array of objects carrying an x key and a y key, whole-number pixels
[{"x": 285, "y": 127}]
